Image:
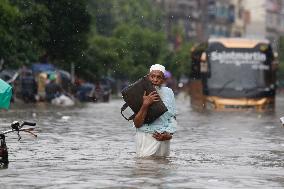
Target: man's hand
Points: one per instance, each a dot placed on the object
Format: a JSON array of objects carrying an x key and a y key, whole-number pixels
[
  {"x": 162, "y": 136},
  {"x": 147, "y": 101},
  {"x": 151, "y": 98}
]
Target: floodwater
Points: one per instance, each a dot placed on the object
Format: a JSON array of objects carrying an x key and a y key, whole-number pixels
[{"x": 92, "y": 146}]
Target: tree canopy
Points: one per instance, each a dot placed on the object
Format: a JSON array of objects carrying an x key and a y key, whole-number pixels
[
  {"x": 102, "y": 38},
  {"x": 31, "y": 28},
  {"x": 127, "y": 37}
]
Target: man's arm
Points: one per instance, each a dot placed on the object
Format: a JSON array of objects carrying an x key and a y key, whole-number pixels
[
  {"x": 147, "y": 102},
  {"x": 165, "y": 135}
]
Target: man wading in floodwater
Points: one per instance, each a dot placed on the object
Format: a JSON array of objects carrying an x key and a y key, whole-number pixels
[{"x": 154, "y": 139}]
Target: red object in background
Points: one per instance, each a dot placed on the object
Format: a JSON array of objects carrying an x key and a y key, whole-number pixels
[{"x": 178, "y": 41}]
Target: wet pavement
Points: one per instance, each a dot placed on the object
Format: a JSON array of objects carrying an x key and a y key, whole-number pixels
[{"x": 92, "y": 146}]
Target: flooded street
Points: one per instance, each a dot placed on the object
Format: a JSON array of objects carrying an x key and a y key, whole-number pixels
[{"x": 92, "y": 146}]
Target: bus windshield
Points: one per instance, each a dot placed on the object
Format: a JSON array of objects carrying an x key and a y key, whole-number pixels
[{"x": 238, "y": 69}]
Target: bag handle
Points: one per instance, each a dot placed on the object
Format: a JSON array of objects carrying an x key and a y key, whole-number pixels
[{"x": 125, "y": 105}]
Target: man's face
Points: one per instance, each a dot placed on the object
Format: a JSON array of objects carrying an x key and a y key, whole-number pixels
[{"x": 156, "y": 77}]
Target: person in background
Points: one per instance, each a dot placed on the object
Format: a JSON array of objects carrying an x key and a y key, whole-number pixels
[
  {"x": 28, "y": 86},
  {"x": 52, "y": 89},
  {"x": 154, "y": 139}
]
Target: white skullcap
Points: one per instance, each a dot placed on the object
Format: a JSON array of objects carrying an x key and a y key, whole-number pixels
[{"x": 158, "y": 67}]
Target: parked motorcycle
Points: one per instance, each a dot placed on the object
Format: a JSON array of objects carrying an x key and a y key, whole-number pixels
[{"x": 16, "y": 126}]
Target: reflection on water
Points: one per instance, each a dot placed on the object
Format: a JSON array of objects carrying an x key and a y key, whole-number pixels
[
  {"x": 150, "y": 171},
  {"x": 156, "y": 167},
  {"x": 4, "y": 166},
  {"x": 92, "y": 146}
]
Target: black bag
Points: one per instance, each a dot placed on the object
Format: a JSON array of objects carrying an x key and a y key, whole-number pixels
[{"x": 133, "y": 97}]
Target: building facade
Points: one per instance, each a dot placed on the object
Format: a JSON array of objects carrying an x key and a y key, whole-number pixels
[
  {"x": 201, "y": 19},
  {"x": 183, "y": 16},
  {"x": 242, "y": 18},
  {"x": 267, "y": 19}
]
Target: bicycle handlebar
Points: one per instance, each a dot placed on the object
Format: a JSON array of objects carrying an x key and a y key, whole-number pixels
[
  {"x": 28, "y": 123},
  {"x": 16, "y": 126}
]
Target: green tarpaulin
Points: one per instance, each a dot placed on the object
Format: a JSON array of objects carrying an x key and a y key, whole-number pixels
[{"x": 5, "y": 94}]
